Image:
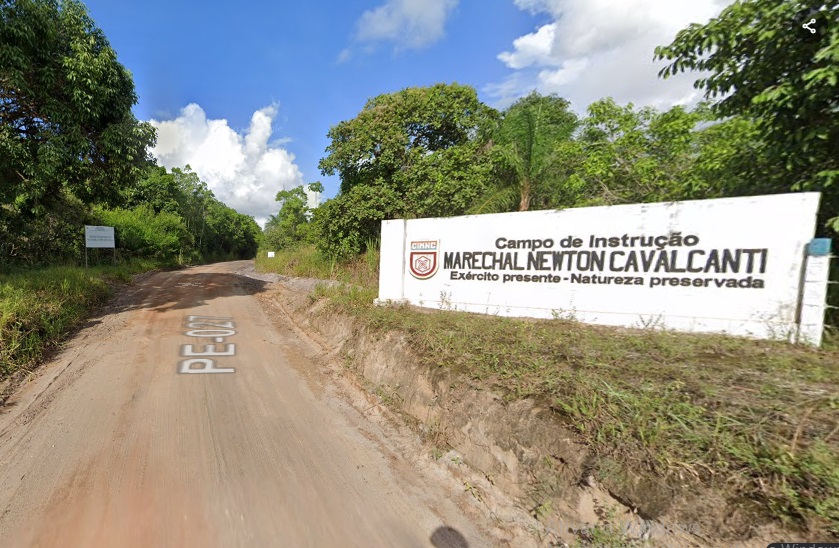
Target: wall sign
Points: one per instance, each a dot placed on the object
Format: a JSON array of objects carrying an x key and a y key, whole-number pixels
[{"x": 732, "y": 265}]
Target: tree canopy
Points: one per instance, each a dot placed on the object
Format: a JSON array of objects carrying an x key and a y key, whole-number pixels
[
  {"x": 760, "y": 67},
  {"x": 526, "y": 141},
  {"x": 623, "y": 154},
  {"x": 65, "y": 108},
  {"x": 395, "y": 131},
  {"x": 416, "y": 152},
  {"x": 291, "y": 225},
  {"x": 72, "y": 152},
  {"x": 178, "y": 203}
]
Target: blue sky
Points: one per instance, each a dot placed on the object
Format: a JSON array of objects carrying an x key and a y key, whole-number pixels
[{"x": 247, "y": 94}]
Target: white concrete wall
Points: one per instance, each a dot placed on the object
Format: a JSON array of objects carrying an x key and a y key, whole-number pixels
[
  {"x": 392, "y": 270},
  {"x": 759, "y": 297}
]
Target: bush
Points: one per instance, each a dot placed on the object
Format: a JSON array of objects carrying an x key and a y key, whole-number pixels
[
  {"x": 55, "y": 235},
  {"x": 344, "y": 225},
  {"x": 140, "y": 232}
]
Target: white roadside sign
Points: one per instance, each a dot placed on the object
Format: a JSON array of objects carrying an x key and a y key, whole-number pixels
[
  {"x": 732, "y": 265},
  {"x": 99, "y": 236}
]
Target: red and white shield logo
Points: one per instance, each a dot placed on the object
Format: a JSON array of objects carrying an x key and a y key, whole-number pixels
[{"x": 422, "y": 261}]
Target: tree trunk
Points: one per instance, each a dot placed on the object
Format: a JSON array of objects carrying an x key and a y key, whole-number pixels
[{"x": 524, "y": 205}]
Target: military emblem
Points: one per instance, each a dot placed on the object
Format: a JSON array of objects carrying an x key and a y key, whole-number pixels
[{"x": 422, "y": 261}]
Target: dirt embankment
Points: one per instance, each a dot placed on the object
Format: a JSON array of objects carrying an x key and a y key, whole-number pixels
[{"x": 521, "y": 448}]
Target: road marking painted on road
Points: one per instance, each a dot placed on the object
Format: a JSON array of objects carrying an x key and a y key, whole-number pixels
[{"x": 211, "y": 328}]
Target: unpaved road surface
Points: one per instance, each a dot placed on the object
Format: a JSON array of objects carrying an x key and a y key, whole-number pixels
[{"x": 121, "y": 441}]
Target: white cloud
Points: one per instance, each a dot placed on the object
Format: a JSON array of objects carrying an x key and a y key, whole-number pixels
[
  {"x": 345, "y": 55},
  {"x": 571, "y": 71},
  {"x": 243, "y": 170},
  {"x": 593, "y": 49},
  {"x": 408, "y": 24},
  {"x": 532, "y": 49}
]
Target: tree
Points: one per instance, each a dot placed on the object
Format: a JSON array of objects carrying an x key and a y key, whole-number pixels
[
  {"x": 526, "y": 140},
  {"x": 734, "y": 161},
  {"x": 761, "y": 68},
  {"x": 416, "y": 152},
  {"x": 195, "y": 201},
  {"x": 65, "y": 108},
  {"x": 627, "y": 155},
  {"x": 348, "y": 224},
  {"x": 217, "y": 231},
  {"x": 395, "y": 131},
  {"x": 447, "y": 182},
  {"x": 291, "y": 225},
  {"x": 158, "y": 188},
  {"x": 68, "y": 137}
]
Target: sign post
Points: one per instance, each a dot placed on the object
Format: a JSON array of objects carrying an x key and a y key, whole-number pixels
[
  {"x": 99, "y": 236},
  {"x": 813, "y": 295}
]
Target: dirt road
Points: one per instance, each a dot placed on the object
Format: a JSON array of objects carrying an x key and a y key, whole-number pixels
[{"x": 176, "y": 419}]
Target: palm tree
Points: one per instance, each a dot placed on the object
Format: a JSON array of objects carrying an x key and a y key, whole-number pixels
[{"x": 525, "y": 145}]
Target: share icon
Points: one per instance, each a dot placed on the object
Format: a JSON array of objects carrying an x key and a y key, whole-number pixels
[{"x": 808, "y": 27}]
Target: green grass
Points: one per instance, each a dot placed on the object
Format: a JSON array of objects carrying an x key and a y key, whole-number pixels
[
  {"x": 758, "y": 416},
  {"x": 610, "y": 533},
  {"x": 306, "y": 262},
  {"x": 757, "y": 420},
  {"x": 38, "y": 307}
]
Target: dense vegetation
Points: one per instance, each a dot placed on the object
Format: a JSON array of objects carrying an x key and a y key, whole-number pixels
[
  {"x": 72, "y": 153},
  {"x": 769, "y": 124}
]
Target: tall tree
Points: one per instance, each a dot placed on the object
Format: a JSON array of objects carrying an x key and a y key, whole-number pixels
[
  {"x": 68, "y": 137},
  {"x": 290, "y": 226},
  {"x": 157, "y": 188},
  {"x": 65, "y": 108},
  {"x": 526, "y": 140},
  {"x": 416, "y": 152},
  {"x": 760, "y": 65},
  {"x": 395, "y": 131},
  {"x": 628, "y": 155},
  {"x": 733, "y": 160},
  {"x": 448, "y": 182},
  {"x": 195, "y": 200}
]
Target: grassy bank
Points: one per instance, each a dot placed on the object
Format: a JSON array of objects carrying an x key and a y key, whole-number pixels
[
  {"x": 757, "y": 420},
  {"x": 306, "y": 262},
  {"x": 39, "y": 307}
]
